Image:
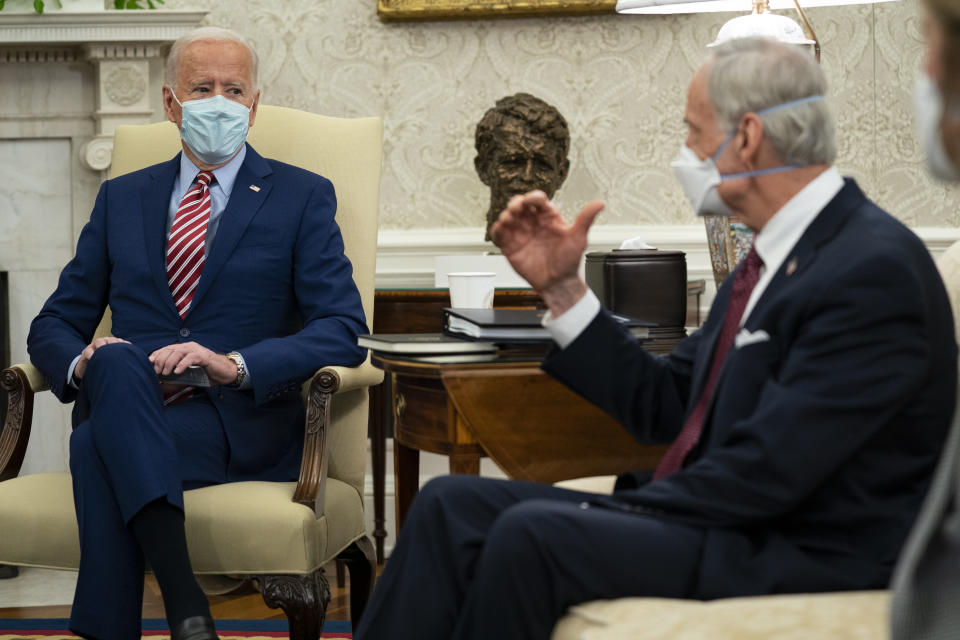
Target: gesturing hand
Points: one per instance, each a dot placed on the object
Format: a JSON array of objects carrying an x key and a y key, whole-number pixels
[
  {"x": 87, "y": 353},
  {"x": 544, "y": 248},
  {"x": 177, "y": 357}
]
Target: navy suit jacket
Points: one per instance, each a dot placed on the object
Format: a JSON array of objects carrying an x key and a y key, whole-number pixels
[
  {"x": 820, "y": 442},
  {"x": 276, "y": 287}
]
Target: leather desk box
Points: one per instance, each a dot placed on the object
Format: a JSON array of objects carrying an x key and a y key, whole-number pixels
[{"x": 641, "y": 283}]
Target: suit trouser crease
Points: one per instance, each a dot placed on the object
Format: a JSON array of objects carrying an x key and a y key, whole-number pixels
[
  {"x": 128, "y": 452},
  {"x": 481, "y": 558}
]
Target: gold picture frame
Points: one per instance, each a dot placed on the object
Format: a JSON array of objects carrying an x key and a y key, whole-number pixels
[{"x": 394, "y": 10}]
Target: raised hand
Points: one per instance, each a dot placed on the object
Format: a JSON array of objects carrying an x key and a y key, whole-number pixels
[{"x": 544, "y": 248}]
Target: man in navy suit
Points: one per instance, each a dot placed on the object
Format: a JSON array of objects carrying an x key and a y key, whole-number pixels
[
  {"x": 806, "y": 415},
  {"x": 218, "y": 259}
]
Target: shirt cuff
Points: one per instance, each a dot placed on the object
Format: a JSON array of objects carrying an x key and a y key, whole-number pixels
[
  {"x": 73, "y": 365},
  {"x": 247, "y": 380},
  {"x": 566, "y": 327}
]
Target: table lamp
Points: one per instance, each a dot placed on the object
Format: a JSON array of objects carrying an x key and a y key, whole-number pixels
[
  {"x": 728, "y": 240},
  {"x": 760, "y": 22}
]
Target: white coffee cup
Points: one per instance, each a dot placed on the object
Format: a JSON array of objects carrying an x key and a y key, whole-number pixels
[{"x": 471, "y": 289}]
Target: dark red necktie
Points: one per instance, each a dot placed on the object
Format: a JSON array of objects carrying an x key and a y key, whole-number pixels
[
  {"x": 185, "y": 246},
  {"x": 185, "y": 255},
  {"x": 743, "y": 284}
]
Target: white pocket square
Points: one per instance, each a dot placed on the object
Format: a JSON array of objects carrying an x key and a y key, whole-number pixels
[{"x": 745, "y": 337}]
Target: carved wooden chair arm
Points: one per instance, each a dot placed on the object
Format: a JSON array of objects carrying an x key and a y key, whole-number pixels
[
  {"x": 20, "y": 382},
  {"x": 318, "y": 394},
  {"x": 363, "y": 375}
]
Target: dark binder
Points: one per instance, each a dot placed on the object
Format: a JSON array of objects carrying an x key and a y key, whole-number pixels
[{"x": 513, "y": 325}]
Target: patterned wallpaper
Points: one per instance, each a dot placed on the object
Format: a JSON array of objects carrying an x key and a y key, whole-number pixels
[{"x": 619, "y": 80}]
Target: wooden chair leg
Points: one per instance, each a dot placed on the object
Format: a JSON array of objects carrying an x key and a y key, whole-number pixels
[
  {"x": 361, "y": 560},
  {"x": 304, "y": 600},
  {"x": 341, "y": 570}
]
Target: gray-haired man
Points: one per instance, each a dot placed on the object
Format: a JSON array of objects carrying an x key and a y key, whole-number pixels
[
  {"x": 806, "y": 415},
  {"x": 218, "y": 258}
]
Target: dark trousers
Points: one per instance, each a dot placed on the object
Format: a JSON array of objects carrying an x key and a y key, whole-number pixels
[
  {"x": 129, "y": 452},
  {"x": 483, "y": 558}
]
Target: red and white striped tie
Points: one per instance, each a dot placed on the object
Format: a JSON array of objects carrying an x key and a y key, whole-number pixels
[{"x": 185, "y": 246}]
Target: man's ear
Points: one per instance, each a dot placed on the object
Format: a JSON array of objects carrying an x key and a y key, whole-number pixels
[
  {"x": 253, "y": 109},
  {"x": 481, "y": 168},
  {"x": 752, "y": 140},
  {"x": 170, "y": 107}
]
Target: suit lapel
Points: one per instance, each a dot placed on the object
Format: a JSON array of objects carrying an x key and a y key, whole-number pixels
[
  {"x": 824, "y": 227},
  {"x": 242, "y": 205},
  {"x": 821, "y": 230},
  {"x": 155, "y": 206},
  {"x": 711, "y": 333}
]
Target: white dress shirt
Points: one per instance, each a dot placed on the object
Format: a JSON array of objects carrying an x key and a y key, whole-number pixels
[{"x": 774, "y": 244}]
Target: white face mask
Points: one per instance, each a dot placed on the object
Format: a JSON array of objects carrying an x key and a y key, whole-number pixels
[
  {"x": 700, "y": 178},
  {"x": 928, "y": 110}
]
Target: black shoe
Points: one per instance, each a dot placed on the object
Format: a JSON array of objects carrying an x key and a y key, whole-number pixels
[{"x": 195, "y": 628}]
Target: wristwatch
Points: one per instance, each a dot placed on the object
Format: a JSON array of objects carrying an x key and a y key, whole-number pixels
[{"x": 241, "y": 369}]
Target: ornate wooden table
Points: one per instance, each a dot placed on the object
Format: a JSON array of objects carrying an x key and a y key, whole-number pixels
[
  {"x": 419, "y": 311},
  {"x": 410, "y": 311},
  {"x": 532, "y": 426}
]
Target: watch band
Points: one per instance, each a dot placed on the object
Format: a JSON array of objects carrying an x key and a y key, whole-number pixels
[{"x": 241, "y": 368}]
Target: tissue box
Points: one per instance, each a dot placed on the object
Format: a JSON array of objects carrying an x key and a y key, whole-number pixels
[{"x": 646, "y": 284}]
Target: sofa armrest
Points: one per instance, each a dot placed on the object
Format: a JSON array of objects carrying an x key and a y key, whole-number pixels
[
  {"x": 844, "y": 615},
  {"x": 20, "y": 382}
]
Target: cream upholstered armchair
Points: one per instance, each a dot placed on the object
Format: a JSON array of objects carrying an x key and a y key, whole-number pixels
[
  {"x": 280, "y": 533},
  {"x": 852, "y": 615}
]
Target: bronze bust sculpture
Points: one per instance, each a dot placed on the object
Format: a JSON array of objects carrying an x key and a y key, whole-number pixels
[{"x": 522, "y": 144}]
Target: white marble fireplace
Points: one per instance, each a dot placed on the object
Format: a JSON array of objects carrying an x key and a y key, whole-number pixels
[{"x": 67, "y": 79}]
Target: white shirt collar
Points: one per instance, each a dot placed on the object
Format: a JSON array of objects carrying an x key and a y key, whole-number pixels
[
  {"x": 784, "y": 229},
  {"x": 782, "y": 232}
]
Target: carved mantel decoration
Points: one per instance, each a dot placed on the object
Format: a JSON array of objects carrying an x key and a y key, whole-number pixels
[
  {"x": 389, "y": 10},
  {"x": 119, "y": 44}
]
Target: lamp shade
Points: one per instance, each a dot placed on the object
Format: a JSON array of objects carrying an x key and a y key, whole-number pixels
[
  {"x": 703, "y": 6},
  {"x": 770, "y": 25}
]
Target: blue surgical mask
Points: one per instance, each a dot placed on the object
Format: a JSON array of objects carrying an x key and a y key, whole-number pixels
[
  {"x": 214, "y": 128},
  {"x": 700, "y": 178}
]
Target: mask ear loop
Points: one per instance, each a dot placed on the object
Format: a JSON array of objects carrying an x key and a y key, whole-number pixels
[
  {"x": 763, "y": 172},
  {"x": 174, "y": 94},
  {"x": 723, "y": 146}
]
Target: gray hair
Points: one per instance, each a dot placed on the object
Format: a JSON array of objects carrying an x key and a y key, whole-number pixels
[
  {"x": 751, "y": 74},
  {"x": 208, "y": 33}
]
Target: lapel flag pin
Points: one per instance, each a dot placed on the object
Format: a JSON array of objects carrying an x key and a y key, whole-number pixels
[
  {"x": 254, "y": 188},
  {"x": 791, "y": 266}
]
